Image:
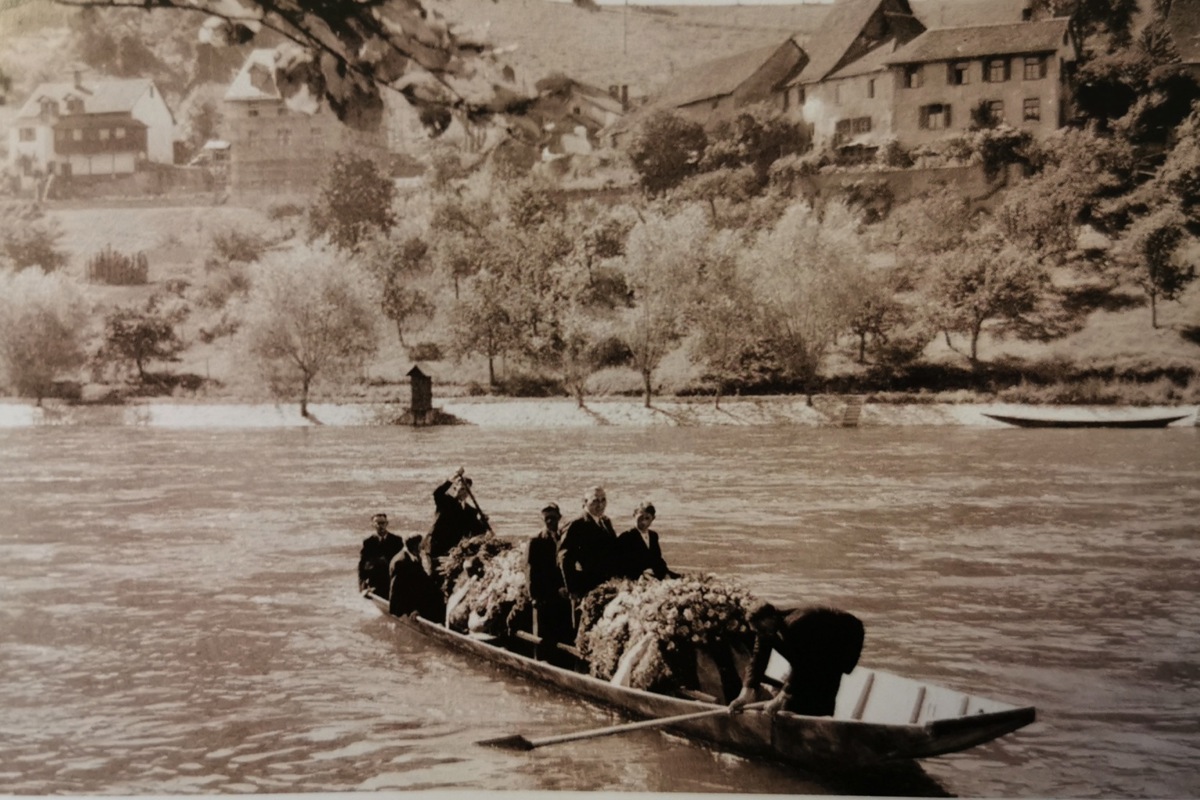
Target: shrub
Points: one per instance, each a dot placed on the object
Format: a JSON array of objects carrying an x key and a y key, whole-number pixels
[
  {"x": 425, "y": 351},
  {"x": 234, "y": 245},
  {"x": 522, "y": 384},
  {"x": 278, "y": 211},
  {"x": 611, "y": 351},
  {"x": 118, "y": 269}
]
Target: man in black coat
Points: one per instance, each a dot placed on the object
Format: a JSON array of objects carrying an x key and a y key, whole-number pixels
[
  {"x": 411, "y": 588},
  {"x": 551, "y": 608},
  {"x": 454, "y": 520},
  {"x": 638, "y": 548},
  {"x": 377, "y": 553},
  {"x": 820, "y": 645},
  {"x": 587, "y": 551}
]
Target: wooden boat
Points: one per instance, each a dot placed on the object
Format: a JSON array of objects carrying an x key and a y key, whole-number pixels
[
  {"x": 880, "y": 718},
  {"x": 1059, "y": 419}
]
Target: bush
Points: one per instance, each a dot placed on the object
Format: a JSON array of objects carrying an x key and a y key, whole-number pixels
[
  {"x": 278, "y": 211},
  {"x": 611, "y": 351},
  {"x": 425, "y": 351},
  {"x": 118, "y": 269},
  {"x": 234, "y": 245},
  {"x": 523, "y": 384}
]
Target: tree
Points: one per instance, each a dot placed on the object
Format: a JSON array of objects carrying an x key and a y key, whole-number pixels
[
  {"x": 757, "y": 139},
  {"x": 666, "y": 149},
  {"x": 344, "y": 53},
  {"x": 27, "y": 239},
  {"x": 309, "y": 323},
  {"x": 42, "y": 327},
  {"x": 987, "y": 278},
  {"x": 1149, "y": 251},
  {"x": 1112, "y": 19},
  {"x": 664, "y": 256},
  {"x": 802, "y": 273},
  {"x": 396, "y": 265},
  {"x": 876, "y": 312},
  {"x": 355, "y": 200},
  {"x": 483, "y": 322},
  {"x": 143, "y": 335}
]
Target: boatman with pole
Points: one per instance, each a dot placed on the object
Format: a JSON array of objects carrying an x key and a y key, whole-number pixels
[
  {"x": 819, "y": 644},
  {"x": 454, "y": 520}
]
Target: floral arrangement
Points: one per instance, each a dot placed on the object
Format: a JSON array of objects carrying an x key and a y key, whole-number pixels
[
  {"x": 488, "y": 589},
  {"x": 647, "y": 633},
  {"x": 484, "y": 548}
]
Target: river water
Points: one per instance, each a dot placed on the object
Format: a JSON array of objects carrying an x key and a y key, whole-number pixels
[{"x": 178, "y": 614}]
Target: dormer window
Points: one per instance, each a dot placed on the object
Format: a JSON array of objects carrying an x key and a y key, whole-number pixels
[
  {"x": 49, "y": 107},
  {"x": 912, "y": 76}
]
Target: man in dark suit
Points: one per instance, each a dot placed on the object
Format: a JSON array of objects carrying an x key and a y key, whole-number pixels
[
  {"x": 638, "y": 548},
  {"x": 551, "y": 608},
  {"x": 377, "y": 553},
  {"x": 587, "y": 551},
  {"x": 454, "y": 520},
  {"x": 412, "y": 589},
  {"x": 820, "y": 645}
]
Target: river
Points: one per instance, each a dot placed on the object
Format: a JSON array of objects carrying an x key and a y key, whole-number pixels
[{"x": 178, "y": 614}]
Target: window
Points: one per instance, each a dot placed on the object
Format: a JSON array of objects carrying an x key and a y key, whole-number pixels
[
  {"x": 861, "y": 124},
  {"x": 995, "y": 70},
  {"x": 996, "y": 110},
  {"x": 252, "y": 112},
  {"x": 285, "y": 137},
  {"x": 958, "y": 73},
  {"x": 845, "y": 128},
  {"x": 279, "y": 112},
  {"x": 1035, "y": 67},
  {"x": 119, "y": 133},
  {"x": 77, "y": 135},
  {"x": 912, "y": 77},
  {"x": 1032, "y": 109},
  {"x": 104, "y": 134},
  {"x": 800, "y": 95},
  {"x": 27, "y": 134},
  {"x": 871, "y": 88},
  {"x": 935, "y": 117},
  {"x": 837, "y": 94}
]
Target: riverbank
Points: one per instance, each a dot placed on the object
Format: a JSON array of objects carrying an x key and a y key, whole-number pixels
[{"x": 825, "y": 411}]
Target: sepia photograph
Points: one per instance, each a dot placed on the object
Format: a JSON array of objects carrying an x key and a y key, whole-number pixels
[{"x": 669, "y": 397}]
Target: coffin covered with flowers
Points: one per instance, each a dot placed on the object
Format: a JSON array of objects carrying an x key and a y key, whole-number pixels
[
  {"x": 488, "y": 588},
  {"x": 657, "y": 635}
]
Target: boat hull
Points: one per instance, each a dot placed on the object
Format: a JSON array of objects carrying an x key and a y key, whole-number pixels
[
  {"x": 1099, "y": 422},
  {"x": 809, "y": 741}
]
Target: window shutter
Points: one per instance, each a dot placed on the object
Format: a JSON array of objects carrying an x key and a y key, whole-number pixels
[{"x": 946, "y": 111}]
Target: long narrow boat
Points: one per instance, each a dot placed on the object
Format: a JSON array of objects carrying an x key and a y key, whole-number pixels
[
  {"x": 1055, "y": 419},
  {"x": 880, "y": 718}
]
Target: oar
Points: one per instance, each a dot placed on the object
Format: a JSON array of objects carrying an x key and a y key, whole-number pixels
[
  {"x": 519, "y": 742},
  {"x": 471, "y": 495}
]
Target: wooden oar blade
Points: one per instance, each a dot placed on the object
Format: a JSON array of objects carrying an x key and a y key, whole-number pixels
[{"x": 517, "y": 742}]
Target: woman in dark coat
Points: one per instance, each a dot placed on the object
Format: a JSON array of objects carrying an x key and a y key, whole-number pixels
[{"x": 638, "y": 547}]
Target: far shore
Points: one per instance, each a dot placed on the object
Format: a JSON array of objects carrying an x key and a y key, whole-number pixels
[{"x": 522, "y": 413}]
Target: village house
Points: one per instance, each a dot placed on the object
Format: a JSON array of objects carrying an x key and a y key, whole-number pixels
[
  {"x": 948, "y": 78},
  {"x": 275, "y": 149},
  {"x": 573, "y": 113},
  {"x": 713, "y": 92},
  {"x": 91, "y": 126},
  {"x": 844, "y": 93}
]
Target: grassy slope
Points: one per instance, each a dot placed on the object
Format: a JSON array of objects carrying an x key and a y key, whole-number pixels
[{"x": 176, "y": 241}]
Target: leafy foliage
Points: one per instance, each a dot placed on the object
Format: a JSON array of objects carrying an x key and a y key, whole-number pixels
[
  {"x": 354, "y": 201},
  {"x": 27, "y": 239},
  {"x": 666, "y": 150},
  {"x": 310, "y": 321},
  {"x": 42, "y": 326},
  {"x": 143, "y": 335}
]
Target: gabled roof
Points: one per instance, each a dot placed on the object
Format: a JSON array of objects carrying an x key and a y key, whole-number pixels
[
  {"x": 1184, "y": 24},
  {"x": 874, "y": 61},
  {"x": 946, "y": 44},
  {"x": 839, "y": 30},
  {"x": 714, "y": 78},
  {"x": 256, "y": 79},
  {"x": 99, "y": 96}
]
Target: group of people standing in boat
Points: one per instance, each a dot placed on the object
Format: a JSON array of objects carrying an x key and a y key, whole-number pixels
[{"x": 564, "y": 564}]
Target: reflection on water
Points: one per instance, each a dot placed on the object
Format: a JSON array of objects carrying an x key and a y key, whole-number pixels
[{"x": 177, "y": 611}]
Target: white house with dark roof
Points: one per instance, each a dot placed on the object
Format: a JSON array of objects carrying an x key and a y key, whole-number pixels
[
  {"x": 1018, "y": 71},
  {"x": 92, "y": 126}
]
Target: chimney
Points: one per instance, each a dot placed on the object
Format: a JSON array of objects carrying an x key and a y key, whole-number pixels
[{"x": 78, "y": 78}]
